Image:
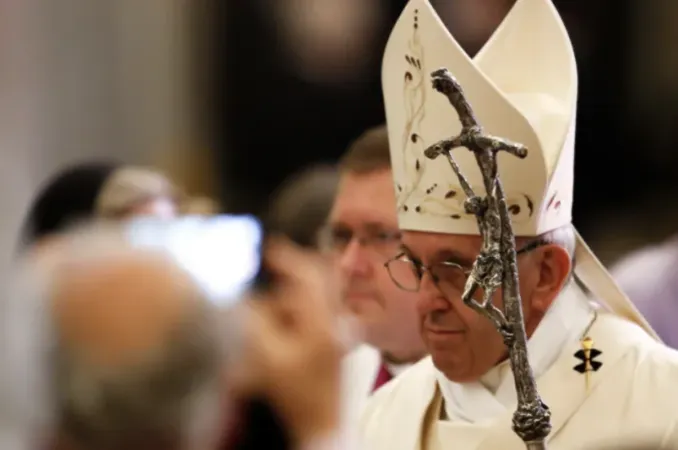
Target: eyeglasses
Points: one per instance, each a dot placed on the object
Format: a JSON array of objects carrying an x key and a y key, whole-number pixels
[
  {"x": 449, "y": 276},
  {"x": 382, "y": 243}
]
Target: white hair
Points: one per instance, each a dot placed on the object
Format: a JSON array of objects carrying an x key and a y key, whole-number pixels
[
  {"x": 44, "y": 386},
  {"x": 563, "y": 237}
]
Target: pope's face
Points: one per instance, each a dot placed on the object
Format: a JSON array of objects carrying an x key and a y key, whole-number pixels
[
  {"x": 364, "y": 229},
  {"x": 463, "y": 344}
]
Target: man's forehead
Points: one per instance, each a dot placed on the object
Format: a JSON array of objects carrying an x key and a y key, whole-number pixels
[
  {"x": 437, "y": 247},
  {"x": 365, "y": 200},
  {"x": 366, "y": 225},
  {"x": 376, "y": 182},
  {"x": 363, "y": 217}
]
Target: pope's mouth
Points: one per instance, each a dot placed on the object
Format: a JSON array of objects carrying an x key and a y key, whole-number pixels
[{"x": 443, "y": 331}]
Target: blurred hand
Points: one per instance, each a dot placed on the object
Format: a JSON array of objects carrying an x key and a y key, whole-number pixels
[{"x": 293, "y": 346}]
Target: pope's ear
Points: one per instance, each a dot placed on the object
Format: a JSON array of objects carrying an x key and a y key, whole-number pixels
[{"x": 554, "y": 266}]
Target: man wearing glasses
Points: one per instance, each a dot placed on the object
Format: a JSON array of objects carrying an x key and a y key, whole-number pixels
[
  {"x": 602, "y": 373},
  {"x": 361, "y": 235}
]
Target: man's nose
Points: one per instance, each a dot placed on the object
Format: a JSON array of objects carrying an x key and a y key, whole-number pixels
[
  {"x": 430, "y": 297},
  {"x": 354, "y": 260}
]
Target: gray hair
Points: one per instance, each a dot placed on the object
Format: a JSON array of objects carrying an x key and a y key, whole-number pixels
[
  {"x": 563, "y": 237},
  {"x": 108, "y": 409}
]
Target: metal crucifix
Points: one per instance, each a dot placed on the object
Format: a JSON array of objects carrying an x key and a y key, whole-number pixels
[{"x": 496, "y": 264}]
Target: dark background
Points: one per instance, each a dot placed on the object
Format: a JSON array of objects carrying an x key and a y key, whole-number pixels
[{"x": 279, "y": 122}]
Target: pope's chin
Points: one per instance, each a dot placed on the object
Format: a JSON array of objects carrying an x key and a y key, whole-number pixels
[{"x": 447, "y": 350}]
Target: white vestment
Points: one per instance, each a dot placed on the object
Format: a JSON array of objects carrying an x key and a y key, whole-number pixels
[
  {"x": 633, "y": 394},
  {"x": 359, "y": 373},
  {"x": 359, "y": 370}
]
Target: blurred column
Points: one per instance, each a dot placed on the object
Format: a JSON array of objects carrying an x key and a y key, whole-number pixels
[
  {"x": 22, "y": 107},
  {"x": 118, "y": 86},
  {"x": 88, "y": 79}
]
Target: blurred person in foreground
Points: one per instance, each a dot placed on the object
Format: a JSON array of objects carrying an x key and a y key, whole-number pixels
[
  {"x": 522, "y": 87},
  {"x": 123, "y": 348},
  {"x": 98, "y": 190},
  {"x": 108, "y": 346},
  {"x": 648, "y": 276},
  {"x": 360, "y": 236}
]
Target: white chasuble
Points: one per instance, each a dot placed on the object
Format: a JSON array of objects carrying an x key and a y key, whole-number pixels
[
  {"x": 439, "y": 433},
  {"x": 632, "y": 394}
]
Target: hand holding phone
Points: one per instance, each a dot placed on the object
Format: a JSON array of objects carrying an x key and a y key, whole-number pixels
[{"x": 292, "y": 346}]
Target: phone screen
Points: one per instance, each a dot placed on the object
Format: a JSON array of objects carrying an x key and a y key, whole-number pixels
[{"x": 222, "y": 253}]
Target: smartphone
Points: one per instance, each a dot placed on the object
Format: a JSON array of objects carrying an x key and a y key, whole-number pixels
[{"x": 223, "y": 253}]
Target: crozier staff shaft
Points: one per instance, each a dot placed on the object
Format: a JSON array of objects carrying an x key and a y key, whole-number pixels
[{"x": 496, "y": 264}]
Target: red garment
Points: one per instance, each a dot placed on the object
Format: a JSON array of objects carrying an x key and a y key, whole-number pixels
[{"x": 383, "y": 377}]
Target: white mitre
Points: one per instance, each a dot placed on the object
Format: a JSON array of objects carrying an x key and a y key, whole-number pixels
[{"x": 522, "y": 86}]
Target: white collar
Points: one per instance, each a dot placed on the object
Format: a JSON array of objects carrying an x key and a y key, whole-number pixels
[{"x": 489, "y": 397}]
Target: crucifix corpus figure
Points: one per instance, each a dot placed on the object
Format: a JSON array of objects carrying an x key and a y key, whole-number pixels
[{"x": 496, "y": 265}]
